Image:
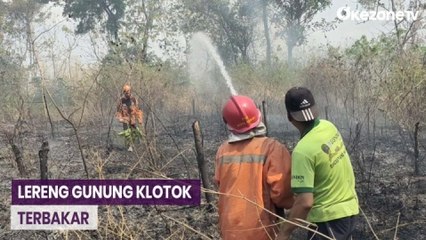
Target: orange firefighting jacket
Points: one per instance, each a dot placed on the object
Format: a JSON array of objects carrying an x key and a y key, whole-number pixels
[
  {"x": 257, "y": 169},
  {"x": 128, "y": 111}
]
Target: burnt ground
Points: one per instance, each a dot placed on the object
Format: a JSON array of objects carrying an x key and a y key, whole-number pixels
[{"x": 393, "y": 201}]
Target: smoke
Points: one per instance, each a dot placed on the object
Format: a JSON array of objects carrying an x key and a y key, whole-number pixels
[{"x": 200, "y": 65}]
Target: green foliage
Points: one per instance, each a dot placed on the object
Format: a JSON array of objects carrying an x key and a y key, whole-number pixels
[
  {"x": 62, "y": 95},
  {"x": 3, "y": 13},
  {"x": 20, "y": 15},
  {"x": 230, "y": 24},
  {"x": 362, "y": 48},
  {"x": 403, "y": 92},
  {"x": 11, "y": 83},
  {"x": 90, "y": 13},
  {"x": 144, "y": 24},
  {"x": 370, "y": 75},
  {"x": 45, "y": 1},
  {"x": 369, "y": 4},
  {"x": 264, "y": 82},
  {"x": 131, "y": 135},
  {"x": 295, "y": 17}
]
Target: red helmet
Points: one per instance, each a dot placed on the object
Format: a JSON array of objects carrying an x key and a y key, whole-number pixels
[{"x": 241, "y": 114}]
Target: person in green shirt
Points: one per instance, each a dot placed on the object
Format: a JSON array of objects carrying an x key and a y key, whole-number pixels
[{"x": 322, "y": 176}]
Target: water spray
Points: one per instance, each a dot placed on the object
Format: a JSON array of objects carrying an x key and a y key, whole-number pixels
[{"x": 202, "y": 37}]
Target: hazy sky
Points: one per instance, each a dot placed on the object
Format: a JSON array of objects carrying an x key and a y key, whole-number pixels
[
  {"x": 348, "y": 30},
  {"x": 345, "y": 33}
]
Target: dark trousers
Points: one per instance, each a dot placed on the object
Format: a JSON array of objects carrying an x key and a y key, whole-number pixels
[
  {"x": 339, "y": 229},
  {"x": 126, "y": 126}
]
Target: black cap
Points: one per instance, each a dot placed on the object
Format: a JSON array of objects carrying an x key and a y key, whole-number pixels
[{"x": 300, "y": 104}]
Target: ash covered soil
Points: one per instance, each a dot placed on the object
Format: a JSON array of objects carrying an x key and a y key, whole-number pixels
[{"x": 392, "y": 199}]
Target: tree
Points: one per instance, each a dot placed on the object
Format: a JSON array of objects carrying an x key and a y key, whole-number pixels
[
  {"x": 295, "y": 18},
  {"x": 19, "y": 21},
  {"x": 265, "y": 19},
  {"x": 406, "y": 31},
  {"x": 11, "y": 76},
  {"x": 146, "y": 22},
  {"x": 2, "y": 16},
  {"x": 20, "y": 16},
  {"x": 90, "y": 13},
  {"x": 230, "y": 25}
]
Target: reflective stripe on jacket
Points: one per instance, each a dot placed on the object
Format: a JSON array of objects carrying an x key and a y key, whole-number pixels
[{"x": 256, "y": 169}]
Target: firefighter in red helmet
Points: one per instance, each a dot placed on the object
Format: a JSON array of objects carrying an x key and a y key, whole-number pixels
[{"x": 253, "y": 174}]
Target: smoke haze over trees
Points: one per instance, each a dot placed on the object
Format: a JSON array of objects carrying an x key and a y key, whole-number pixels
[{"x": 63, "y": 63}]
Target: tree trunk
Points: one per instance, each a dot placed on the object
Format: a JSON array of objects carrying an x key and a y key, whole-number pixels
[
  {"x": 80, "y": 147},
  {"x": 416, "y": 150},
  {"x": 198, "y": 137},
  {"x": 266, "y": 32},
  {"x": 43, "y": 156},
  {"x": 48, "y": 114},
  {"x": 194, "y": 111},
  {"x": 264, "y": 114},
  {"x": 18, "y": 159},
  {"x": 326, "y": 112},
  {"x": 290, "y": 47}
]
